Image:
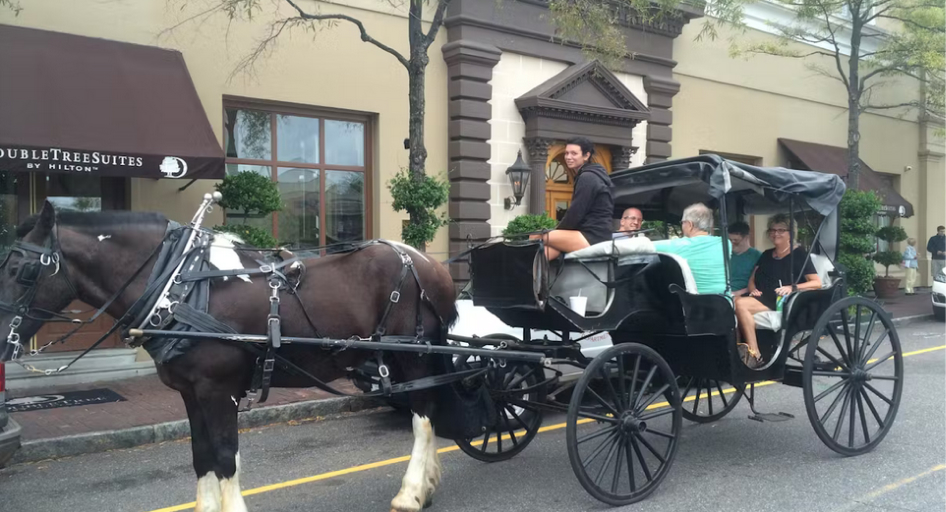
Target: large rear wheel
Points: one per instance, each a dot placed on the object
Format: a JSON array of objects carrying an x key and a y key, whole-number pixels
[
  {"x": 621, "y": 435},
  {"x": 853, "y": 376},
  {"x": 708, "y": 400}
]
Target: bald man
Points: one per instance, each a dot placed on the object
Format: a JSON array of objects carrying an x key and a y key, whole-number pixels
[{"x": 631, "y": 220}]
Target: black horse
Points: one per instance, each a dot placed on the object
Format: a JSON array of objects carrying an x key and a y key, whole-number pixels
[{"x": 59, "y": 257}]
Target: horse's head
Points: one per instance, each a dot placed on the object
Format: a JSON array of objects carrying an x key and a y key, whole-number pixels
[{"x": 33, "y": 283}]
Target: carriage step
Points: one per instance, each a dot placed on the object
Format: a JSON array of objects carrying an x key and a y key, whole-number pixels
[{"x": 762, "y": 417}]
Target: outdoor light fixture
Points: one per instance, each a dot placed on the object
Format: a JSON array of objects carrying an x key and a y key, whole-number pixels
[{"x": 518, "y": 174}]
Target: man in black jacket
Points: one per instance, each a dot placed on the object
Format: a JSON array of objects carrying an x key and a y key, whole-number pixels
[
  {"x": 588, "y": 220},
  {"x": 937, "y": 249}
]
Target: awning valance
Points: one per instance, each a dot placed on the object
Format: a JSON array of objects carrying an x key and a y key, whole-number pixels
[
  {"x": 833, "y": 159},
  {"x": 85, "y": 105}
]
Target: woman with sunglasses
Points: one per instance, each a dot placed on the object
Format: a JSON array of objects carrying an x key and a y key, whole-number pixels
[{"x": 771, "y": 279}]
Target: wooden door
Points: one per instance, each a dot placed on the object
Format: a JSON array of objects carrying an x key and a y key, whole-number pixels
[{"x": 560, "y": 181}]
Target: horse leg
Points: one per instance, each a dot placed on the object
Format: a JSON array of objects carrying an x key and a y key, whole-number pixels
[
  {"x": 424, "y": 470},
  {"x": 208, "y": 485},
  {"x": 219, "y": 411}
]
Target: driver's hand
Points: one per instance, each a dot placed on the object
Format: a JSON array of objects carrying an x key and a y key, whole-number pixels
[{"x": 756, "y": 293}]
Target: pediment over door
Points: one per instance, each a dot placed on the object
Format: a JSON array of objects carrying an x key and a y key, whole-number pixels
[{"x": 583, "y": 100}]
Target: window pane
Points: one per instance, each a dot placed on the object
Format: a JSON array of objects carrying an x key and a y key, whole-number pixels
[
  {"x": 8, "y": 199},
  {"x": 344, "y": 206},
  {"x": 248, "y": 134},
  {"x": 237, "y": 217},
  {"x": 297, "y": 139},
  {"x": 299, "y": 221},
  {"x": 344, "y": 143},
  {"x": 74, "y": 192}
]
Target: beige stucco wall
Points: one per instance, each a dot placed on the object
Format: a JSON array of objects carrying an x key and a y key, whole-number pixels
[
  {"x": 742, "y": 107},
  {"x": 332, "y": 68},
  {"x": 513, "y": 76}
]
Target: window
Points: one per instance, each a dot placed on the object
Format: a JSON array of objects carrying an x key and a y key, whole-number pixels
[
  {"x": 882, "y": 221},
  {"x": 318, "y": 163}
]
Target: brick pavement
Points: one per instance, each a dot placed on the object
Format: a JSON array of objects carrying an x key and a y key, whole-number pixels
[{"x": 150, "y": 402}]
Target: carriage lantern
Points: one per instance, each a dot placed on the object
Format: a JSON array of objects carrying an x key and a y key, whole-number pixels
[{"x": 518, "y": 174}]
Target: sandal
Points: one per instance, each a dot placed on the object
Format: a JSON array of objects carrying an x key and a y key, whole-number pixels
[{"x": 750, "y": 358}]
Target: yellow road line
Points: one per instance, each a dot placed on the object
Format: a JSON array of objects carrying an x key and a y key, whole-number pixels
[
  {"x": 887, "y": 488},
  {"x": 453, "y": 448}
]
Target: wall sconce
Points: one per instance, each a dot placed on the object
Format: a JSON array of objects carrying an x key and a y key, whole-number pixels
[{"x": 518, "y": 174}]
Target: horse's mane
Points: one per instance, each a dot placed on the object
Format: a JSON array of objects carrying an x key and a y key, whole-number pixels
[{"x": 106, "y": 219}]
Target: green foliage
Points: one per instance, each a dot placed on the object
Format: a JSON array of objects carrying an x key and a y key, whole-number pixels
[
  {"x": 857, "y": 211},
  {"x": 250, "y": 193},
  {"x": 527, "y": 224},
  {"x": 891, "y": 235},
  {"x": 420, "y": 197},
  {"x": 666, "y": 229},
  {"x": 251, "y": 235}
]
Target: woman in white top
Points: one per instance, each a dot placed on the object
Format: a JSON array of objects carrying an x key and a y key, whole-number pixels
[{"x": 910, "y": 264}]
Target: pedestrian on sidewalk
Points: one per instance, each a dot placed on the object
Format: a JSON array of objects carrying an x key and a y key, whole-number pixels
[
  {"x": 937, "y": 249},
  {"x": 910, "y": 265}
]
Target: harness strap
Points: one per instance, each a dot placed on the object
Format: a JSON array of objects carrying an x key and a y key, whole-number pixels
[
  {"x": 210, "y": 274},
  {"x": 394, "y": 298}
]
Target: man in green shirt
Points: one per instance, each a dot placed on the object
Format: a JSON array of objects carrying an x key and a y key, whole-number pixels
[
  {"x": 743, "y": 258},
  {"x": 703, "y": 252}
]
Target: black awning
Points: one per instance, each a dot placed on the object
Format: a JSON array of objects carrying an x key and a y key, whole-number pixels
[
  {"x": 80, "y": 104},
  {"x": 833, "y": 160}
]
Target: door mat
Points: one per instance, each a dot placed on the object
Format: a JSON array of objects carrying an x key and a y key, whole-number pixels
[{"x": 66, "y": 399}]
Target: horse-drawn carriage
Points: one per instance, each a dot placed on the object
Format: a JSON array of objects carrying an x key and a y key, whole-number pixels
[{"x": 217, "y": 330}]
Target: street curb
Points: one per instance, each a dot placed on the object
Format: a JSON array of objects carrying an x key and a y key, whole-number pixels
[
  {"x": 909, "y": 320},
  {"x": 67, "y": 446}
]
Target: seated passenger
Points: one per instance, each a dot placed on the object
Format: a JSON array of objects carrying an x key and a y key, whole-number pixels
[
  {"x": 588, "y": 219},
  {"x": 771, "y": 279},
  {"x": 631, "y": 221},
  {"x": 703, "y": 252},
  {"x": 743, "y": 258}
]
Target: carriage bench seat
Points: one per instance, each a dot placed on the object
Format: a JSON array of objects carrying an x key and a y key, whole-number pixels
[
  {"x": 772, "y": 320},
  {"x": 574, "y": 278}
]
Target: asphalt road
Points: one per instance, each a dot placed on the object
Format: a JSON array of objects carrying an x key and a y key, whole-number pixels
[{"x": 734, "y": 464}]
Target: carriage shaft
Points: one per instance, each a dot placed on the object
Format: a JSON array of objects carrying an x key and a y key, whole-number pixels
[{"x": 407, "y": 344}]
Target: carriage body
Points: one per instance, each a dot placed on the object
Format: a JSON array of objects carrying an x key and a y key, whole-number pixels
[{"x": 684, "y": 341}]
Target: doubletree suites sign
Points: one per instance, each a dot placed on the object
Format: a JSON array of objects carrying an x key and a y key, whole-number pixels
[{"x": 93, "y": 162}]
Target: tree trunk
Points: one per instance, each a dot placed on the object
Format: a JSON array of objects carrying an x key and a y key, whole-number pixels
[
  {"x": 855, "y": 89},
  {"x": 416, "y": 75}
]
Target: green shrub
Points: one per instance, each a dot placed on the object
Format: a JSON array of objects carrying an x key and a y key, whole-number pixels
[
  {"x": 420, "y": 199},
  {"x": 857, "y": 211},
  {"x": 251, "y": 235},
  {"x": 250, "y": 193},
  {"x": 891, "y": 235},
  {"x": 527, "y": 224}
]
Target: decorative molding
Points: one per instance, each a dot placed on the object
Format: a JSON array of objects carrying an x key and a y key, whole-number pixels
[
  {"x": 764, "y": 16},
  {"x": 630, "y": 18},
  {"x": 538, "y": 149},
  {"x": 621, "y": 157}
]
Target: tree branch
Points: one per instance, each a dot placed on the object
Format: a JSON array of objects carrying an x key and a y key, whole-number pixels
[
  {"x": 364, "y": 33},
  {"x": 436, "y": 23},
  {"x": 837, "y": 48},
  {"x": 908, "y": 21}
]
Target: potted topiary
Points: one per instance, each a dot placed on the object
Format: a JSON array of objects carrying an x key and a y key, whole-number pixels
[
  {"x": 857, "y": 211},
  {"x": 523, "y": 224},
  {"x": 886, "y": 287},
  {"x": 249, "y": 195}
]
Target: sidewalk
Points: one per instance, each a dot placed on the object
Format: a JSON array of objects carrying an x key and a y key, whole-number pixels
[{"x": 153, "y": 412}]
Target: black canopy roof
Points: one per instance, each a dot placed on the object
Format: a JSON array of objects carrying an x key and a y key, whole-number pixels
[{"x": 673, "y": 185}]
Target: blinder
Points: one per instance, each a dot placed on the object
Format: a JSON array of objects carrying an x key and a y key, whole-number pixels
[{"x": 34, "y": 258}]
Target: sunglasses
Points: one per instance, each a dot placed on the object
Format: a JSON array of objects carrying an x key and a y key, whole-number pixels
[{"x": 777, "y": 231}]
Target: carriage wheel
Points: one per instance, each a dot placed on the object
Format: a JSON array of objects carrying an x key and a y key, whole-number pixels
[
  {"x": 516, "y": 423},
  {"x": 853, "y": 376},
  {"x": 707, "y": 400},
  {"x": 621, "y": 437}
]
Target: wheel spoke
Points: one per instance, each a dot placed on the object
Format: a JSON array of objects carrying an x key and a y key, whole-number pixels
[
  {"x": 644, "y": 386},
  {"x": 630, "y": 467},
  {"x": 722, "y": 396},
  {"x": 640, "y": 458},
  {"x": 885, "y": 377},
  {"x": 656, "y": 414},
  {"x": 879, "y": 361},
  {"x": 845, "y": 323},
  {"x": 610, "y": 388},
  {"x": 595, "y": 435},
  {"x": 851, "y": 423},
  {"x": 823, "y": 373},
  {"x": 521, "y": 378},
  {"x": 837, "y": 343},
  {"x": 870, "y": 330},
  {"x": 844, "y": 404},
  {"x": 857, "y": 332},
  {"x": 696, "y": 401},
  {"x": 860, "y": 407},
  {"x": 688, "y": 388},
  {"x": 653, "y": 398},
  {"x": 878, "y": 393},
  {"x": 622, "y": 387},
  {"x": 485, "y": 440},
  {"x": 828, "y": 391},
  {"x": 831, "y": 358},
  {"x": 637, "y": 366},
  {"x": 873, "y": 349},
  {"x": 834, "y": 404},
  {"x": 607, "y": 461},
  {"x": 709, "y": 397},
  {"x": 650, "y": 448},
  {"x": 515, "y": 416},
  {"x": 661, "y": 433},
  {"x": 617, "y": 467},
  {"x": 601, "y": 401},
  {"x": 873, "y": 410},
  {"x": 598, "y": 450}
]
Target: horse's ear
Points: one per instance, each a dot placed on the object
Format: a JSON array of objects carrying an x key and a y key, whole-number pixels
[{"x": 47, "y": 217}]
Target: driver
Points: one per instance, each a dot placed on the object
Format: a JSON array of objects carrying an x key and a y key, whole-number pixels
[{"x": 588, "y": 219}]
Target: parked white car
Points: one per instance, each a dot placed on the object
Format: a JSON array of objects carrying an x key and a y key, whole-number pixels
[
  {"x": 478, "y": 321},
  {"x": 938, "y": 297}
]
